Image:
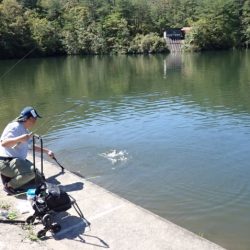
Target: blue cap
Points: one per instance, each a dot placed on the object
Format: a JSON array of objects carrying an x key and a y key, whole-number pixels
[{"x": 28, "y": 112}]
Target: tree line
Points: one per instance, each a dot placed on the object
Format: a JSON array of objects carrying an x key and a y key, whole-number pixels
[{"x": 84, "y": 27}]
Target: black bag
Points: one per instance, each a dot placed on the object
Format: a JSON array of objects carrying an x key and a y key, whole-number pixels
[{"x": 52, "y": 197}]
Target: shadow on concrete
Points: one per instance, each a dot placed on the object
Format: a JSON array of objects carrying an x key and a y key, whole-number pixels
[
  {"x": 72, "y": 187},
  {"x": 92, "y": 237},
  {"x": 73, "y": 228},
  {"x": 67, "y": 188},
  {"x": 52, "y": 179}
]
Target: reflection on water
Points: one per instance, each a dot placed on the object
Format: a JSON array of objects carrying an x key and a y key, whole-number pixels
[
  {"x": 172, "y": 62},
  {"x": 170, "y": 133}
]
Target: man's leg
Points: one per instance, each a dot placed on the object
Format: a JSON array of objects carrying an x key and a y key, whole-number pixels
[
  {"x": 34, "y": 183},
  {"x": 23, "y": 172},
  {"x": 6, "y": 172}
]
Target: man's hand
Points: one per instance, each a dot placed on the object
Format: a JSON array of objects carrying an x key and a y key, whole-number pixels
[
  {"x": 51, "y": 154},
  {"x": 24, "y": 138}
]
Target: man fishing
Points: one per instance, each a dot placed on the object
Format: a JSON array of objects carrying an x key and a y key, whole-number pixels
[{"x": 15, "y": 169}]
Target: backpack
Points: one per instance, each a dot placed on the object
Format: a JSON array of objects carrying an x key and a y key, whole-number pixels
[{"x": 50, "y": 197}]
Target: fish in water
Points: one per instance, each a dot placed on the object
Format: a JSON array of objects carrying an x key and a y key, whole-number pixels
[{"x": 116, "y": 156}]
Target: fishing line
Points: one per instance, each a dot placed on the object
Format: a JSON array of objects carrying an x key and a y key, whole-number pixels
[
  {"x": 19, "y": 61},
  {"x": 63, "y": 168},
  {"x": 55, "y": 117},
  {"x": 77, "y": 173}
]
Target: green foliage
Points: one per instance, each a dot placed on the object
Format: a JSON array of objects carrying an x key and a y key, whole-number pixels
[
  {"x": 246, "y": 22},
  {"x": 31, "y": 234},
  {"x": 75, "y": 36},
  {"x": 14, "y": 31},
  {"x": 44, "y": 33},
  {"x": 28, "y": 3},
  {"x": 12, "y": 215},
  {"x": 217, "y": 29},
  {"x": 115, "y": 32},
  {"x": 150, "y": 43},
  {"x": 49, "y": 27},
  {"x": 5, "y": 205},
  {"x": 98, "y": 9},
  {"x": 173, "y": 13},
  {"x": 52, "y": 8}
]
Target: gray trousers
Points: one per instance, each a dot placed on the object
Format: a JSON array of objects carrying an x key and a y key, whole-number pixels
[{"x": 20, "y": 171}]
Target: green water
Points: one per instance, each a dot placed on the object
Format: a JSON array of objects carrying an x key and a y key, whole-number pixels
[{"x": 170, "y": 133}]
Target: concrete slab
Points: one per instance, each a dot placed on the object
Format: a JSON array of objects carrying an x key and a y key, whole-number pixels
[{"x": 115, "y": 222}]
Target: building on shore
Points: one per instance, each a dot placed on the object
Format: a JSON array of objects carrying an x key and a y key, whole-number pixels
[{"x": 174, "y": 38}]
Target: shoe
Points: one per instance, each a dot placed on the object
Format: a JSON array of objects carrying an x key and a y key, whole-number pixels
[{"x": 9, "y": 190}]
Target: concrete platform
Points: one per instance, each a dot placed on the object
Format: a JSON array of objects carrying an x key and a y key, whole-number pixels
[{"x": 115, "y": 222}]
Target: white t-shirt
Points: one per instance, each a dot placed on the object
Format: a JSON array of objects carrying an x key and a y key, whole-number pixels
[{"x": 20, "y": 150}]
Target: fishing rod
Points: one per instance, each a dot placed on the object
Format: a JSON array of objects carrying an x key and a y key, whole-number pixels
[
  {"x": 10, "y": 221},
  {"x": 54, "y": 158}
]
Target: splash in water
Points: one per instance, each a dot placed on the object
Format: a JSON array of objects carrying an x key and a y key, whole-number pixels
[{"x": 116, "y": 156}]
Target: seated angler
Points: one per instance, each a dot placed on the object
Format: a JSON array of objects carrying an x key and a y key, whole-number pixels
[{"x": 15, "y": 169}]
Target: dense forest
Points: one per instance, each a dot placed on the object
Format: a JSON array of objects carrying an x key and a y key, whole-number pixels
[{"x": 68, "y": 27}]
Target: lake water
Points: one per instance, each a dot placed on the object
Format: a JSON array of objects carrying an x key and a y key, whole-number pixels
[{"x": 170, "y": 133}]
